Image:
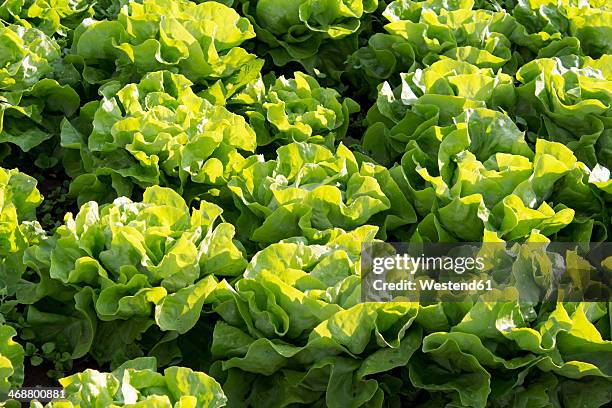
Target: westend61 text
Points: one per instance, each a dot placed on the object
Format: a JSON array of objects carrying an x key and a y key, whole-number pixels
[{"x": 431, "y": 285}]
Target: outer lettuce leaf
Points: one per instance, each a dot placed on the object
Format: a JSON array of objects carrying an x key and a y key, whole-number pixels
[
  {"x": 11, "y": 360},
  {"x": 460, "y": 363},
  {"x": 62, "y": 331},
  {"x": 156, "y": 132}
]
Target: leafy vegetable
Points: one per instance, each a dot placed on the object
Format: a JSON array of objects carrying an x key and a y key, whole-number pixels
[
  {"x": 199, "y": 41},
  {"x": 50, "y": 16},
  {"x": 129, "y": 264},
  {"x": 307, "y": 31},
  {"x": 296, "y": 109},
  {"x": 214, "y": 173},
  {"x": 426, "y": 97},
  {"x": 301, "y": 328},
  {"x": 586, "y": 22},
  {"x": 313, "y": 192},
  {"x": 421, "y": 33},
  {"x": 31, "y": 103},
  {"x": 18, "y": 201},
  {"x": 568, "y": 99},
  {"x": 154, "y": 132},
  {"x": 137, "y": 383}
]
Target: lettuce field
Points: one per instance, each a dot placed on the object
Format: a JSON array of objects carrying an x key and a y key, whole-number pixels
[{"x": 186, "y": 188}]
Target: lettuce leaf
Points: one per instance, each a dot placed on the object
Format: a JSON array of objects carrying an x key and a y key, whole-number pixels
[{"x": 11, "y": 360}]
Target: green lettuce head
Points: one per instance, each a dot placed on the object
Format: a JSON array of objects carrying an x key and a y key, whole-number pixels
[
  {"x": 480, "y": 37},
  {"x": 108, "y": 9},
  {"x": 19, "y": 199},
  {"x": 428, "y": 31},
  {"x": 296, "y": 321},
  {"x": 50, "y": 16},
  {"x": 419, "y": 101},
  {"x": 138, "y": 383},
  {"x": 569, "y": 100},
  {"x": 389, "y": 53},
  {"x": 480, "y": 168},
  {"x": 296, "y": 109},
  {"x": 200, "y": 41},
  {"x": 546, "y": 355},
  {"x": 309, "y": 282},
  {"x": 384, "y": 56},
  {"x": 585, "y": 25},
  {"x": 31, "y": 103},
  {"x": 127, "y": 267},
  {"x": 314, "y": 192},
  {"x": 318, "y": 34},
  {"x": 155, "y": 132},
  {"x": 28, "y": 56}
]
